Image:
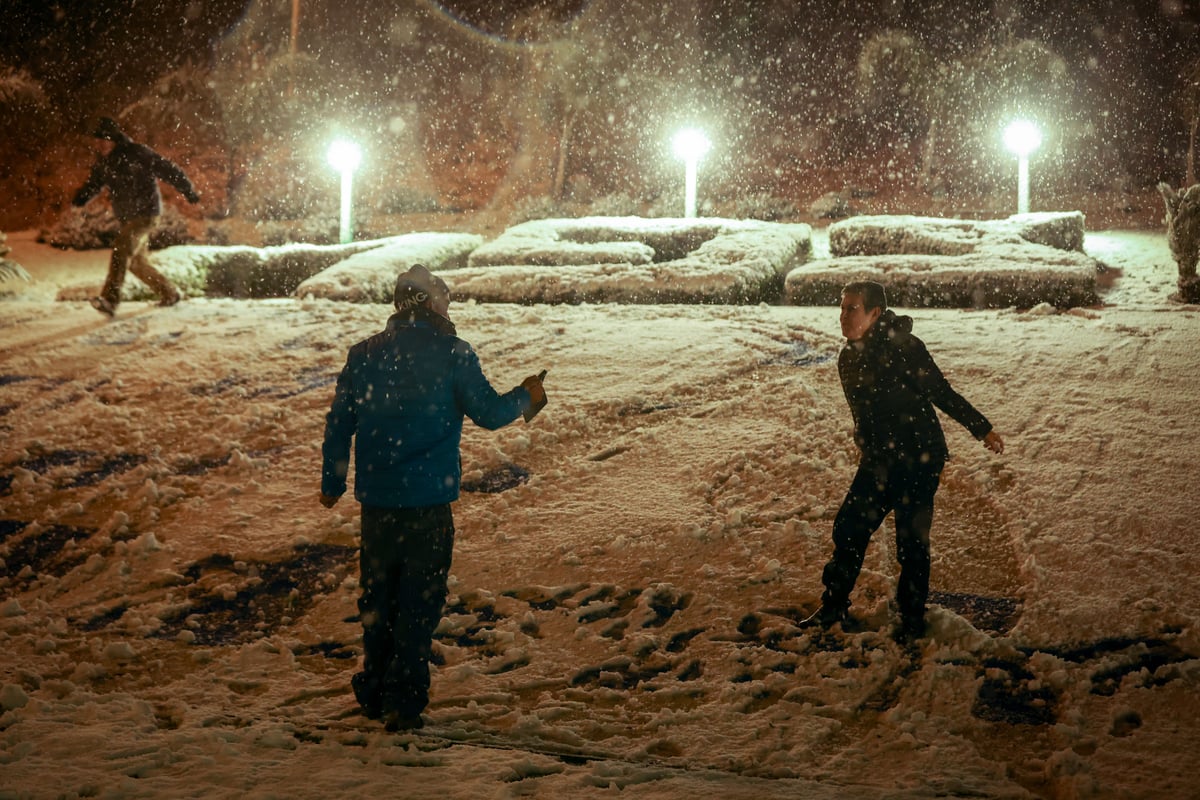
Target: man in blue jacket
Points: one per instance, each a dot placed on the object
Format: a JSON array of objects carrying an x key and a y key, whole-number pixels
[
  {"x": 131, "y": 171},
  {"x": 892, "y": 385},
  {"x": 402, "y": 397}
]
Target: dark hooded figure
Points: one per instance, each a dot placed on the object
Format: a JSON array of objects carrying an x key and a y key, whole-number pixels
[
  {"x": 402, "y": 397},
  {"x": 131, "y": 171},
  {"x": 892, "y": 386}
]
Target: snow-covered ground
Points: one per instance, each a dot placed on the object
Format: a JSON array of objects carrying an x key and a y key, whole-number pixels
[{"x": 177, "y": 610}]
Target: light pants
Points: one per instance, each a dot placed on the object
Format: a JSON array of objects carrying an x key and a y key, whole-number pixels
[{"x": 131, "y": 251}]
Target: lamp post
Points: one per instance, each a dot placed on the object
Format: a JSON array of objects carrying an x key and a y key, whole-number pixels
[
  {"x": 690, "y": 144},
  {"x": 1022, "y": 137},
  {"x": 345, "y": 157}
]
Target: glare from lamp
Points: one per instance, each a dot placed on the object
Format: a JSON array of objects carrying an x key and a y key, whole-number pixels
[
  {"x": 345, "y": 156},
  {"x": 690, "y": 144},
  {"x": 1022, "y": 137}
]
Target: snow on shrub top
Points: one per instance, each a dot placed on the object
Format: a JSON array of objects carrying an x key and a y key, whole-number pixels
[
  {"x": 370, "y": 276},
  {"x": 634, "y": 260},
  {"x": 924, "y": 261}
]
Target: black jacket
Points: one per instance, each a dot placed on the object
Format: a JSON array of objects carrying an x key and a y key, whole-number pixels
[
  {"x": 131, "y": 172},
  {"x": 892, "y": 386}
]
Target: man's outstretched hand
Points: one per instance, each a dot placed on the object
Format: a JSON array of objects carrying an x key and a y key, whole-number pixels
[
  {"x": 327, "y": 501},
  {"x": 993, "y": 442}
]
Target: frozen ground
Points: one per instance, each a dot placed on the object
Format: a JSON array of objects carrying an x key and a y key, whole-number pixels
[{"x": 176, "y": 609}]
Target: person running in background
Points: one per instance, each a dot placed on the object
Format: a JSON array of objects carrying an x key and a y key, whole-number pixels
[
  {"x": 131, "y": 171},
  {"x": 402, "y": 396},
  {"x": 892, "y": 386}
]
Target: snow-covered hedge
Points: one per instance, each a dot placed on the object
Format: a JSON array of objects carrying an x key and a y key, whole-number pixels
[
  {"x": 237, "y": 271},
  {"x": 370, "y": 277},
  {"x": 894, "y": 235},
  {"x": 1020, "y": 261},
  {"x": 93, "y": 227},
  {"x": 634, "y": 260},
  {"x": 13, "y": 277},
  {"x": 251, "y": 271}
]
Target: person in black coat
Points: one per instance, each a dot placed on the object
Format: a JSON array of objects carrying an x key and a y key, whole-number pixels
[
  {"x": 892, "y": 386},
  {"x": 131, "y": 171}
]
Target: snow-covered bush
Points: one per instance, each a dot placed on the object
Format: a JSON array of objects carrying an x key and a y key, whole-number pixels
[
  {"x": 634, "y": 260},
  {"x": 670, "y": 204},
  {"x": 90, "y": 227},
  {"x": 18, "y": 87},
  {"x": 1021, "y": 261},
  {"x": 763, "y": 206},
  {"x": 400, "y": 199},
  {"x": 181, "y": 104},
  {"x": 831, "y": 205},
  {"x": 93, "y": 227},
  {"x": 13, "y": 277},
  {"x": 27, "y": 112},
  {"x": 12, "y": 274},
  {"x": 902, "y": 234},
  {"x": 311, "y": 230},
  {"x": 238, "y": 271},
  {"x": 618, "y": 204},
  {"x": 244, "y": 271},
  {"x": 370, "y": 276},
  {"x": 1183, "y": 236},
  {"x": 534, "y": 207}
]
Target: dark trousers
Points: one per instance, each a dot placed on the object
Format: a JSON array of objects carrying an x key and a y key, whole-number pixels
[
  {"x": 903, "y": 485},
  {"x": 404, "y": 563}
]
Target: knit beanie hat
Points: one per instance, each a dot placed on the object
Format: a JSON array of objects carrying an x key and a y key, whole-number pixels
[
  {"x": 108, "y": 129},
  {"x": 416, "y": 286}
]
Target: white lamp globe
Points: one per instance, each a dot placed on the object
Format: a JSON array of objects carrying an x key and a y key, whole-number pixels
[
  {"x": 1022, "y": 137},
  {"x": 344, "y": 155},
  {"x": 690, "y": 144}
]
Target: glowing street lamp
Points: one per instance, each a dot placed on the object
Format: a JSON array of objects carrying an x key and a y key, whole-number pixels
[
  {"x": 345, "y": 157},
  {"x": 1022, "y": 137},
  {"x": 690, "y": 144}
]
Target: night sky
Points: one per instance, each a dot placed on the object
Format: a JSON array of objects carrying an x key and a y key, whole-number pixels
[
  {"x": 81, "y": 47},
  {"x": 779, "y": 75},
  {"x": 84, "y": 51}
]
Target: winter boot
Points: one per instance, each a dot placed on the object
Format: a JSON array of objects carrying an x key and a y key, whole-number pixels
[
  {"x": 398, "y": 721},
  {"x": 825, "y": 617},
  {"x": 103, "y": 306},
  {"x": 909, "y": 631}
]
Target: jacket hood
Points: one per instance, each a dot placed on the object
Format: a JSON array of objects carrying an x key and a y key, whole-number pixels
[
  {"x": 110, "y": 130},
  {"x": 890, "y": 322},
  {"x": 423, "y": 314}
]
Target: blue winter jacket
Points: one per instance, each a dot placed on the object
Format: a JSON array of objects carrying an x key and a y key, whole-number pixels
[{"x": 402, "y": 395}]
